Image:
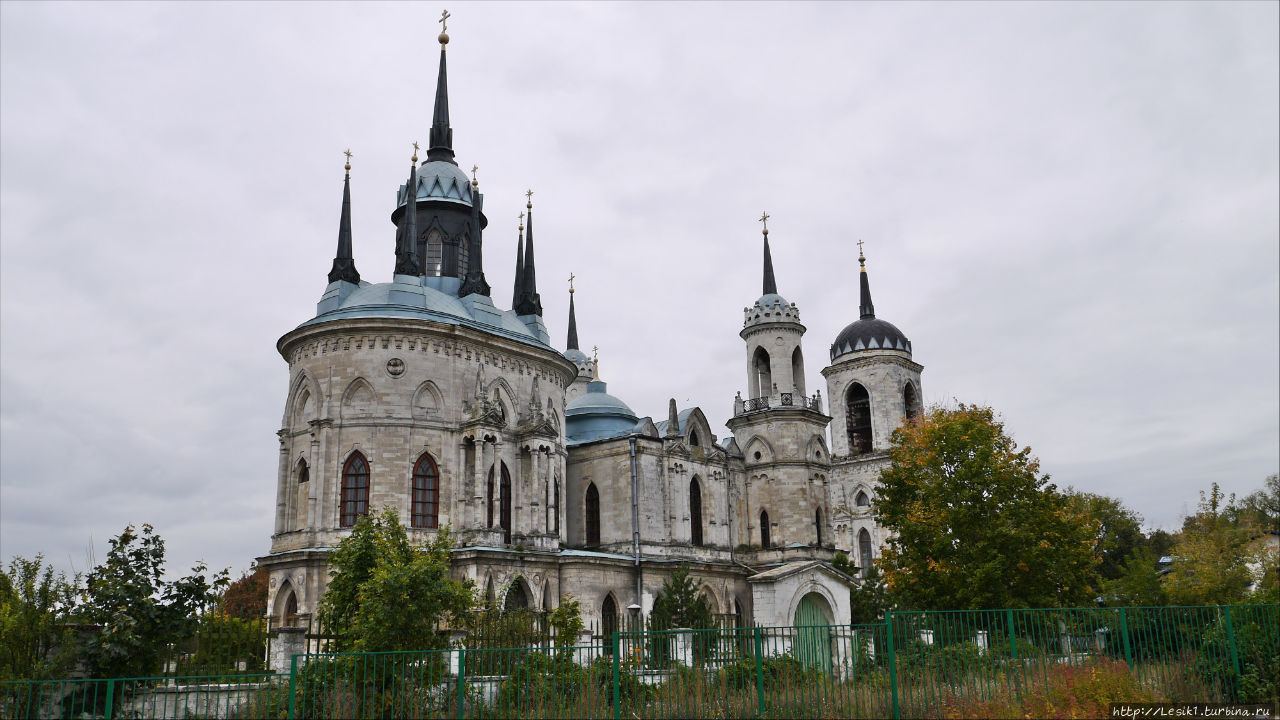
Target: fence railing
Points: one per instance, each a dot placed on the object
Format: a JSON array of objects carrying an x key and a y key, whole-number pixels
[{"x": 910, "y": 664}]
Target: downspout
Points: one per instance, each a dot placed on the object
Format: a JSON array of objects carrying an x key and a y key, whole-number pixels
[{"x": 635, "y": 519}]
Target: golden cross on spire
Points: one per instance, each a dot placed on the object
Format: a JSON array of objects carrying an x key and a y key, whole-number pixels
[
  {"x": 415, "y": 151},
  {"x": 570, "y": 283},
  {"x": 444, "y": 17},
  {"x": 859, "y": 246},
  {"x": 474, "y": 168},
  {"x": 521, "y": 221},
  {"x": 347, "y": 152},
  {"x": 528, "y": 194},
  {"x": 764, "y": 218}
]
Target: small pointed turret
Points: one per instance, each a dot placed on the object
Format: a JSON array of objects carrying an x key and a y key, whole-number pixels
[
  {"x": 475, "y": 283},
  {"x": 865, "y": 307},
  {"x": 673, "y": 420},
  {"x": 517, "y": 291},
  {"x": 530, "y": 302},
  {"x": 344, "y": 265},
  {"x": 770, "y": 284},
  {"x": 406, "y": 238},
  {"x": 440, "y": 145},
  {"x": 571, "y": 342}
]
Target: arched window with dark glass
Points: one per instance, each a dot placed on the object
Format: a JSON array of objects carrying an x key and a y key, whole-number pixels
[
  {"x": 504, "y": 505},
  {"x": 864, "y": 551},
  {"x": 858, "y": 419},
  {"x": 291, "y": 609},
  {"x": 910, "y": 402},
  {"x": 862, "y": 500},
  {"x": 817, "y": 525},
  {"x": 592, "y": 519},
  {"x": 426, "y": 493},
  {"x": 489, "y": 501},
  {"x": 517, "y": 598},
  {"x": 761, "y": 374},
  {"x": 797, "y": 371},
  {"x": 764, "y": 529},
  {"x": 695, "y": 512},
  {"x": 693, "y": 438},
  {"x": 555, "y": 498},
  {"x": 355, "y": 490},
  {"x": 608, "y": 621}
]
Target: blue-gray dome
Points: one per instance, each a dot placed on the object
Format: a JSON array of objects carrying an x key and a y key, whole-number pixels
[
  {"x": 869, "y": 334},
  {"x": 596, "y": 415},
  {"x": 439, "y": 180}
]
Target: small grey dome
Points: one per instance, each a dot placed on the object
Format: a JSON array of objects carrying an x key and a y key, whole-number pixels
[
  {"x": 439, "y": 180},
  {"x": 869, "y": 334},
  {"x": 596, "y": 415}
]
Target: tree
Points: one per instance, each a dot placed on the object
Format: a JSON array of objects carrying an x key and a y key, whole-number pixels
[
  {"x": 36, "y": 641},
  {"x": 680, "y": 604},
  {"x": 1261, "y": 509},
  {"x": 137, "y": 613},
  {"x": 1139, "y": 582},
  {"x": 1212, "y": 555},
  {"x": 867, "y": 601},
  {"x": 386, "y": 594},
  {"x": 246, "y": 598},
  {"x": 974, "y": 524},
  {"x": 1119, "y": 530}
]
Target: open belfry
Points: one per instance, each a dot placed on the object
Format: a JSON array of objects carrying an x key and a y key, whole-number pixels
[{"x": 423, "y": 395}]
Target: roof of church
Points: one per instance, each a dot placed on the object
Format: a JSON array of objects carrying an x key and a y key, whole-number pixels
[
  {"x": 597, "y": 415},
  {"x": 868, "y": 332},
  {"x": 439, "y": 180},
  {"x": 419, "y": 297}
]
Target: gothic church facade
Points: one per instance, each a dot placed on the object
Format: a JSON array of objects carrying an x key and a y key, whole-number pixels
[{"x": 422, "y": 395}]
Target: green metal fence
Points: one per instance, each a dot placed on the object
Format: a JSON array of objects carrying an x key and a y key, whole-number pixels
[{"x": 910, "y": 665}]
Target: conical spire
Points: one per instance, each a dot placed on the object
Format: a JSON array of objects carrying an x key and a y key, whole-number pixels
[
  {"x": 406, "y": 257},
  {"x": 517, "y": 291},
  {"x": 867, "y": 309},
  {"x": 673, "y": 419},
  {"x": 344, "y": 265},
  {"x": 475, "y": 282},
  {"x": 440, "y": 146},
  {"x": 571, "y": 343},
  {"x": 530, "y": 301},
  {"x": 770, "y": 284}
]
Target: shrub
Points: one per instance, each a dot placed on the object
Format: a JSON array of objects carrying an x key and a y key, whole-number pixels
[{"x": 1085, "y": 691}]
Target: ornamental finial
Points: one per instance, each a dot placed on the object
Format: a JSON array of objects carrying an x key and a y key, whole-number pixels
[
  {"x": 415, "y": 151},
  {"x": 521, "y": 222},
  {"x": 862, "y": 259},
  {"x": 528, "y": 194},
  {"x": 764, "y": 218},
  {"x": 570, "y": 283},
  {"x": 444, "y": 27},
  {"x": 347, "y": 152},
  {"x": 474, "y": 181}
]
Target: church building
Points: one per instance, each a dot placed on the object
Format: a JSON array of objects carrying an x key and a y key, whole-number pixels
[{"x": 423, "y": 395}]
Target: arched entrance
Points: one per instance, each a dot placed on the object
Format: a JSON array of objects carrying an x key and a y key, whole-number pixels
[{"x": 813, "y": 634}]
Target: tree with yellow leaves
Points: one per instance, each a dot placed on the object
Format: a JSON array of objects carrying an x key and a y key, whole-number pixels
[{"x": 974, "y": 523}]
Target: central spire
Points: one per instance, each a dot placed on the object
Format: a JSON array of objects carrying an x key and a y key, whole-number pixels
[
  {"x": 867, "y": 309},
  {"x": 770, "y": 284},
  {"x": 440, "y": 145},
  {"x": 344, "y": 266}
]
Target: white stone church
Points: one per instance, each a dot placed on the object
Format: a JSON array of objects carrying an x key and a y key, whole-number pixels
[{"x": 423, "y": 395}]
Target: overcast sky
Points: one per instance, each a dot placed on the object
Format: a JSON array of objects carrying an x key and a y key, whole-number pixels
[{"x": 1070, "y": 209}]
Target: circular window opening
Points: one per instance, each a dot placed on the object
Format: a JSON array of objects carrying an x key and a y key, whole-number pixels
[{"x": 757, "y": 454}]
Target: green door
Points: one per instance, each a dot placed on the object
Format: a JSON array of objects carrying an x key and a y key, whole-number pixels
[{"x": 813, "y": 635}]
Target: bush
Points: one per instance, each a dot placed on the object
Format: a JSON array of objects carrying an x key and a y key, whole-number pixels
[
  {"x": 1085, "y": 691},
  {"x": 542, "y": 681},
  {"x": 1259, "y": 653}
]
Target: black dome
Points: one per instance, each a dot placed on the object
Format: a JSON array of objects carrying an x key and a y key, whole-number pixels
[{"x": 869, "y": 334}]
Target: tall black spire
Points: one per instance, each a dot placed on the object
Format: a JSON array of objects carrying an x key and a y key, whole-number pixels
[
  {"x": 867, "y": 309},
  {"x": 770, "y": 284},
  {"x": 475, "y": 282},
  {"x": 440, "y": 145},
  {"x": 530, "y": 302},
  {"x": 406, "y": 236},
  {"x": 518, "y": 289},
  {"x": 344, "y": 265},
  {"x": 571, "y": 343}
]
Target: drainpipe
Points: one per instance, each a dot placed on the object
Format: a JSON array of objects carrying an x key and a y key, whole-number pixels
[{"x": 635, "y": 518}]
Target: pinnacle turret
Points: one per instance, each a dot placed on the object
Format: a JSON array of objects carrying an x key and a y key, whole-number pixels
[{"x": 344, "y": 265}]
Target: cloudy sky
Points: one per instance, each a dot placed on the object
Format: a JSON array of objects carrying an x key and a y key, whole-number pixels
[{"x": 1071, "y": 210}]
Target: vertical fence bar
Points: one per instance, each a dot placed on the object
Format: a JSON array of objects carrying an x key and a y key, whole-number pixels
[
  {"x": 1235, "y": 653},
  {"x": 893, "y": 665},
  {"x": 1124, "y": 637},
  {"x": 462, "y": 679},
  {"x": 617, "y": 689},
  {"x": 759, "y": 633},
  {"x": 111, "y": 691},
  {"x": 293, "y": 674}
]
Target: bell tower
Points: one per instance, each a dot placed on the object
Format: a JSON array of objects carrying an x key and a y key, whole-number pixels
[{"x": 781, "y": 433}]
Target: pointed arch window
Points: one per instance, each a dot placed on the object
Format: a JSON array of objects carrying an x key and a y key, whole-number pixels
[
  {"x": 695, "y": 513},
  {"x": 489, "y": 500},
  {"x": 425, "y": 493},
  {"x": 817, "y": 525},
  {"x": 504, "y": 505},
  {"x": 291, "y": 609},
  {"x": 862, "y": 501},
  {"x": 555, "y": 498},
  {"x": 609, "y": 621},
  {"x": 764, "y": 529},
  {"x": 797, "y": 371},
  {"x": 910, "y": 402},
  {"x": 693, "y": 438},
  {"x": 858, "y": 419},
  {"x": 355, "y": 490},
  {"x": 592, "y": 507},
  {"x": 516, "y": 599},
  {"x": 761, "y": 374},
  {"x": 864, "y": 551}
]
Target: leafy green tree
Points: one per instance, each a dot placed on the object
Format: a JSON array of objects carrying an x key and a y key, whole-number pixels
[
  {"x": 246, "y": 598},
  {"x": 36, "y": 641},
  {"x": 1261, "y": 509},
  {"x": 680, "y": 604},
  {"x": 136, "y": 612},
  {"x": 1212, "y": 554},
  {"x": 566, "y": 620},
  {"x": 975, "y": 525},
  {"x": 1139, "y": 583},
  {"x": 1118, "y": 530},
  {"x": 386, "y": 594},
  {"x": 1160, "y": 542}
]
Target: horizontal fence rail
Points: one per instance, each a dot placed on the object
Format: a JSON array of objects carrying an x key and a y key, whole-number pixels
[{"x": 956, "y": 663}]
